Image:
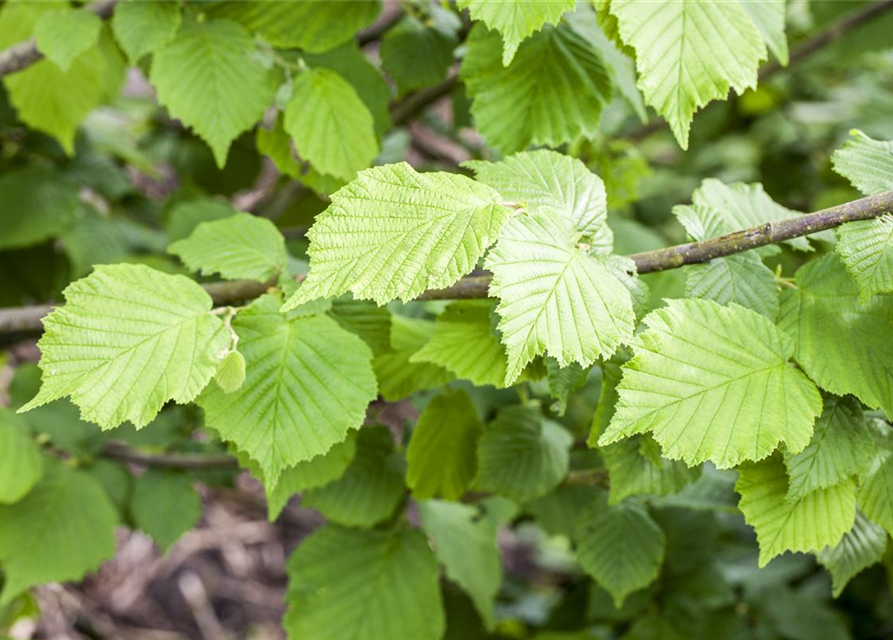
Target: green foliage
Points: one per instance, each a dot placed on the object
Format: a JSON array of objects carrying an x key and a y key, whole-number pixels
[
  {"x": 408, "y": 232},
  {"x": 695, "y": 370},
  {"x": 370, "y": 488},
  {"x": 364, "y": 584},
  {"x": 841, "y": 448},
  {"x": 442, "y": 453},
  {"x": 516, "y": 20},
  {"x": 841, "y": 342},
  {"x": 144, "y": 26},
  {"x": 689, "y": 53},
  {"x": 310, "y": 25},
  {"x": 559, "y": 78},
  {"x": 866, "y": 246},
  {"x": 21, "y": 465},
  {"x": 620, "y": 546},
  {"x": 236, "y": 247},
  {"x": 45, "y": 206},
  {"x": 809, "y": 523},
  {"x": 307, "y": 384},
  {"x": 544, "y": 282},
  {"x": 547, "y": 179},
  {"x": 465, "y": 544},
  {"x": 521, "y": 455},
  {"x": 207, "y": 78},
  {"x": 859, "y": 548},
  {"x": 554, "y": 458},
  {"x": 330, "y": 125},
  {"x": 61, "y": 530},
  {"x": 399, "y": 375},
  {"x": 464, "y": 343},
  {"x": 165, "y": 505},
  {"x": 63, "y": 35},
  {"x": 116, "y": 346},
  {"x": 416, "y": 55},
  {"x": 47, "y": 98}
]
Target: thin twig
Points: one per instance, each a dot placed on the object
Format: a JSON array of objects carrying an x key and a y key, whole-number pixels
[
  {"x": 23, "y": 54},
  {"x": 125, "y": 453},
  {"x": 25, "y": 319}
]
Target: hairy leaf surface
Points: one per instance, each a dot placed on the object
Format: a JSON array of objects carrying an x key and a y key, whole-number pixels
[
  {"x": 117, "y": 347},
  {"x": 393, "y": 233},
  {"x": 714, "y": 383}
]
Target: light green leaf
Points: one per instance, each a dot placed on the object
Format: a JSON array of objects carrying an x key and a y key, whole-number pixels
[
  {"x": 521, "y": 455},
  {"x": 636, "y": 467},
  {"x": 311, "y": 25},
  {"x": 861, "y": 547},
  {"x": 741, "y": 279},
  {"x": 21, "y": 465},
  {"x": 144, "y": 26},
  {"x": 63, "y": 35},
  {"x": 563, "y": 382},
  {"x": 394, "y": 233},
  {"x": 875, "y": 492},
  {"x": 117, "y": 346},
  {"x": 741, "y": 206},
  {"x": 349, "y": 62},
  {"x": 465, "y": 544},
  {"x": 45, "y": 98},
  {"x": 620, "y": 546},
  {"x": 516, "y": 20},
  {"x": 308, "y": 384},
  {"x": 230, "y": 374},
  {"x": 442, "y": 453},
  {"x": 557, "y": 512},
  {"x": 559, "y": 78},
  {"x": 398, "y": 375},
  {"x": 165, "y": 506},
  {"x": 841, "y": 343},
  {"x": 866, "y": 246},
  {"x": 689, "y": 53},
  {"x": 316, "y": 472},
  {"x": 63, "y": 528},
  {"x": 623, "y": 69},
  {"x": 555, "y": 299},
  {"x": 184, "y": 217},
  {"x": 242, "y": 246},
  {"x": 365, "y": 585},
  {"x": 544, "y": 178},
  {"x": 38, "y": 204},
  {"x": 371, "y": 487},
  {"x": 464, "y": 343},
  {"x": 841, "y": 448},
  {"x": 275, "y": 144},
  {"x": 867, "y": 163},
  {"x": 806, "y": 524},
  {"x": 208, "y": 78},
  {"x": 714, "y": 383},
  {"x": 416, "y": 55},
  {"x": 369, "y": 321},
  {"x": 768, "y": 17},
  {"x": 331, "y": 127}
]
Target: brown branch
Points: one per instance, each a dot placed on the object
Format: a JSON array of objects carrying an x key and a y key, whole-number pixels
[
  {"x": 27, "y": 319},
  {"x": 125, "y": 453},
  {"x": 805, "y": 50},
  {"x": 409, "y": 107},
  {"x": 23, "y": 54}
]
